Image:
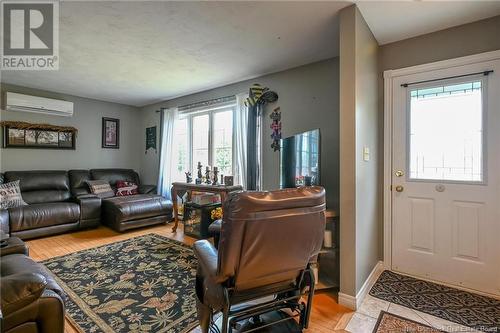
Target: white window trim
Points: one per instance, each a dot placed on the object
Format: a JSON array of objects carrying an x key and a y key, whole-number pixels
[{"x": 210, "y": 111}]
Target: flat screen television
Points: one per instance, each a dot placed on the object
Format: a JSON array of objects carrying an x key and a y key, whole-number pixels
[{"x": 300, "y": 160}]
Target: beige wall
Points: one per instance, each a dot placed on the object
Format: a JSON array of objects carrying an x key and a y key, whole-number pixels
[
  {"x": 308, "y": 97},
  {"x": 87, "y": 119},
  {"x": 359, "y": 128}
]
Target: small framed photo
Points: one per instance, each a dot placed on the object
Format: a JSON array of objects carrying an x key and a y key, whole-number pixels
[{"x": 110, "y": 133}]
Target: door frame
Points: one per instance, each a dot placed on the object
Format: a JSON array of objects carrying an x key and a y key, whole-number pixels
[{"x": 389, "y": 76}]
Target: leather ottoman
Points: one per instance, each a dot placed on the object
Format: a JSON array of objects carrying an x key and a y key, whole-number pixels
[{"x": 127, "y": 212}]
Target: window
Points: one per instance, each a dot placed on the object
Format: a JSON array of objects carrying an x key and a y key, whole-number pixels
[
  {"x": 205, "y": 136},
  {"x": 180, "y": 150},
  {"x": 446, "y": 132}
]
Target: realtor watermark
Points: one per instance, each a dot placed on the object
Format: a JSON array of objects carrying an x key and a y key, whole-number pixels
[{"x": 30, "y": 35}]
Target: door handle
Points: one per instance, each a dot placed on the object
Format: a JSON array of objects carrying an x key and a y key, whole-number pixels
[
  {"x": 399, "y": 173},
  {"x": 399, "y": 188}
]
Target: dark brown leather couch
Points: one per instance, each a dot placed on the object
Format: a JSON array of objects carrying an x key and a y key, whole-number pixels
[
  {"x": 51, "y": 206},
  {"x": 60, "y": 201},
  {"x": 123, "y": 213},
  {"x": 268, "y": 240},
  {"x": 31, "y": 300}
]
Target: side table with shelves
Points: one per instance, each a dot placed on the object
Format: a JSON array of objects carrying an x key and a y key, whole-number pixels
[{"x": 328, "y": 260}]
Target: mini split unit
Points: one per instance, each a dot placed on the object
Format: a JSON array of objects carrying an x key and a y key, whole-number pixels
[{"x": 26, "y": 103}]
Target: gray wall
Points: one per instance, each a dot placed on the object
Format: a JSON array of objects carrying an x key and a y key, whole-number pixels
[
  {"x": 359, "y": 127},
  {"x": 87, "y": 119},
  {"x": 467, "y": 39},
  {"x": 308, "y": 97}
]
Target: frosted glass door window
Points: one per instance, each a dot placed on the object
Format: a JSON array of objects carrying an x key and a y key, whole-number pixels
[{"x": 446, "y": 132}]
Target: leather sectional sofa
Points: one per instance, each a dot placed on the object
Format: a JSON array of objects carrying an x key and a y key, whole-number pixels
[{"x": 59, "y": 201}]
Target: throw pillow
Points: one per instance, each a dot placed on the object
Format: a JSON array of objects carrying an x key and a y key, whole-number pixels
[
  {"x": 10, "y": 195},
  {"x": 101, "y": 188},
  {"x": 124, "y": 188}
]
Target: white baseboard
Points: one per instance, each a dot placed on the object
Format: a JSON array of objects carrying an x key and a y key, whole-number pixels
[
  {"x": 354, "y": 303},
  {"x": 348, "y": 301}
]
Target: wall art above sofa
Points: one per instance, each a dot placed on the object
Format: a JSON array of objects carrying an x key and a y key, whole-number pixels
[{"x": 18, "y": 134}]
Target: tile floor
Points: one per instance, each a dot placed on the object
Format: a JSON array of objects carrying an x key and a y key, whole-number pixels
[{"x": 365, "y": 318}]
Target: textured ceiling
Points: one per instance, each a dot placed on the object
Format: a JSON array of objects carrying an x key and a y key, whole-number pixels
[
  {"x": 138, "y": 53},
  {"x": 141, "y": 52},
  {"x": 391, "y": 21}
]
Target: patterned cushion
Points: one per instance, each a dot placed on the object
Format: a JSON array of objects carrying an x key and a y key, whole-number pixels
[
  {"x": 101, "y": 188},
  {"x": 124, "y": 188},
  {"x": 10, "y": 195}
]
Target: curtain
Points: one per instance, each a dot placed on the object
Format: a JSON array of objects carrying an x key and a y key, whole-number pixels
[
  {"x": 258, "y": 137},
  {"x": 240, "y": 132},
  {"x": 254, "y": 148},
  {"x": 168, "y": 118}
]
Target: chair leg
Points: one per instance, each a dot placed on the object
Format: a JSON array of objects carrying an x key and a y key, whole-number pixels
[
  {"x": 312, "y": 285},
  {"x": 225, "y": 320},
  {"x": 204, "y": 316},
  {"x": 225, "y": 313}
]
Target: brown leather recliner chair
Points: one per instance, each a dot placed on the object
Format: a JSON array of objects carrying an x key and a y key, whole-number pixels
[
  {"x": 268, "y": 242},
  {"x": 30, "y": 299}
]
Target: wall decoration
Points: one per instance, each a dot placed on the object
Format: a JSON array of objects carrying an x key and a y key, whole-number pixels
[
  {"x": 260, "y": 95},
  {"x": 151, "y": 139},
  {"x": 19, "y": 134},
  {"x": 276, "y": 127},
  {"x": 110, "y": 133}
]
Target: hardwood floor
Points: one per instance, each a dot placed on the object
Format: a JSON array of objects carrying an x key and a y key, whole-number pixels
[{"x": 327, "y": 316}]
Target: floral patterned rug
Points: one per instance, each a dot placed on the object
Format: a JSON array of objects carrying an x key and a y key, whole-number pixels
[
  {"x": 391, "y": 323},
  {"x": 143, "y": 284}
]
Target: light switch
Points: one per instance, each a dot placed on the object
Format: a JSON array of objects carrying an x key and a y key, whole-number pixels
[{"x": 366, "y": 154}]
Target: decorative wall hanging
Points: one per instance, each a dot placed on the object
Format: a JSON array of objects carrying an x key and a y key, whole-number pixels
[
  {"x": 110, "y": 133},
  {"x": 276, "y": 127},
  {"x": 151, "y": 139},
  {"x": 260, "y": 95},
  {"x": 18, "y": 134}
]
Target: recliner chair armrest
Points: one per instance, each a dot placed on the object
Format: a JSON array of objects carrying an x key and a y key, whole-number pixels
[
  {"x": 207, "y": 258},
  {"x": 147, "y": 189},
  {"x": 214, "y": 230},
  {"x": 4, "y": 221},
  {"x": 20, "y": 290},
  {"x": 14, "y": 246},
  {"x": 90, "y": 206},
  {"x": 215, "y": 227}
]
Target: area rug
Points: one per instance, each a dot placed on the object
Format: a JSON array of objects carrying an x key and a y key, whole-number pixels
[
  {"x": 468, "y": 309},
  {"x": 391, "y": 323},
  {"x": 143, "y": 284}
]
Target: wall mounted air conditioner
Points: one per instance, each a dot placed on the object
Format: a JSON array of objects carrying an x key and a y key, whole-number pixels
[{"x": 26, "y": 103}]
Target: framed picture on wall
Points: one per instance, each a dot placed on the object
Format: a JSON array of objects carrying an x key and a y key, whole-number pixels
[
  {"x": 110, "y": 133},
  {"x": 38, "y": 138}
]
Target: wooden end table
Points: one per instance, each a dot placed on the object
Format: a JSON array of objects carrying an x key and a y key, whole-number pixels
[{"x": 182, "y": 188}]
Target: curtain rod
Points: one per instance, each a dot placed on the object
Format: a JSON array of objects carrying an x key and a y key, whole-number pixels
[
  {"x": 203, "y": 103},
  {"x": 485, "y": 73}
]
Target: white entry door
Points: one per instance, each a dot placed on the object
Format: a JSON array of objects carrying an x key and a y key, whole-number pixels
[{"x": 446, "y": 176}]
